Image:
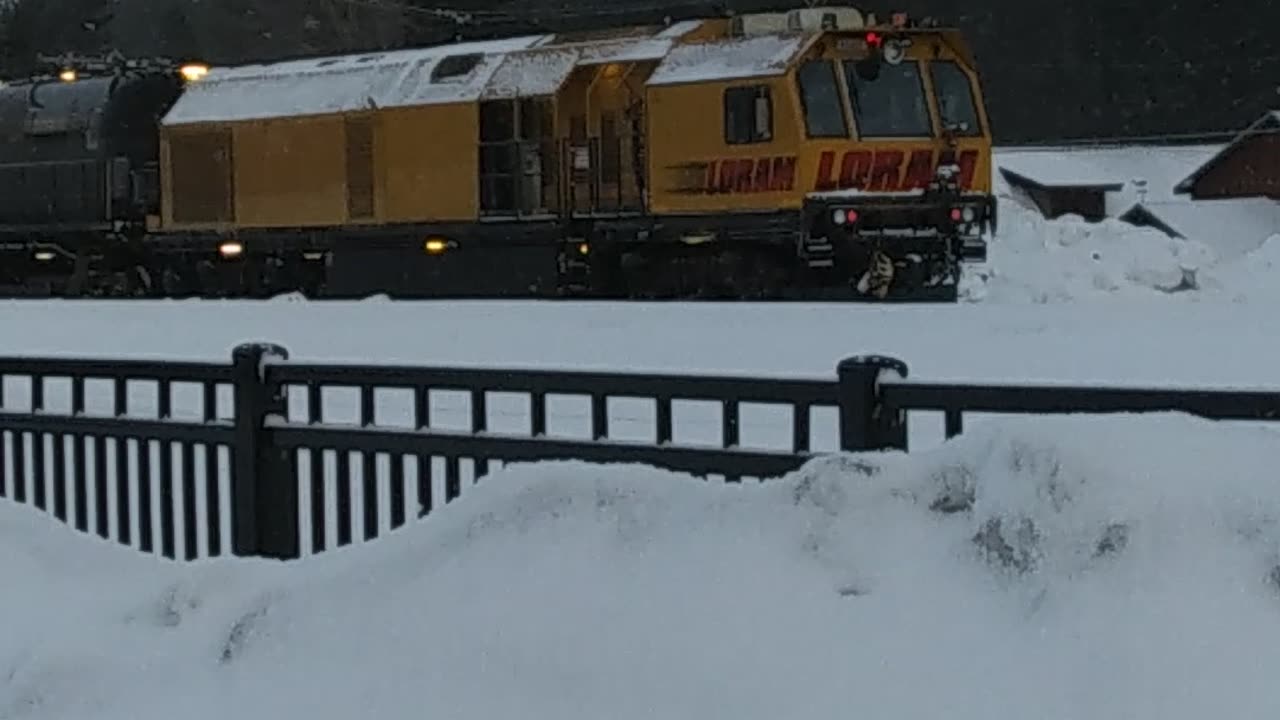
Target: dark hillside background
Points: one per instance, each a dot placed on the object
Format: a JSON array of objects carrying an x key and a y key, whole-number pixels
[{"x": 1075, "y": 70}]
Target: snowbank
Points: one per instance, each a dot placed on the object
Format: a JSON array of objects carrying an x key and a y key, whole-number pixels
[
  {"x": 1038, "y": 261},
  {"x": 1068, "y": 259},
  {"x": 1053, "y": 569},
  {"x": 1250, "y": 278}
]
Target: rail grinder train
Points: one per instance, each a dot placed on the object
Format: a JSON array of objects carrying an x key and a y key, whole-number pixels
[{"x": 817, "y": 153}]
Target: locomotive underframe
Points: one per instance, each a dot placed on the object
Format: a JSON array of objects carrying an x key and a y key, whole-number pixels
[{"x": 775, "y": 255}]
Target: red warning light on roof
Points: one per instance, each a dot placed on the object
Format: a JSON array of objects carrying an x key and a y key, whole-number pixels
[{"x": 874, "y": 39}]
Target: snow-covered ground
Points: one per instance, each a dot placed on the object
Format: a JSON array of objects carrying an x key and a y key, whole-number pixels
[
  {"x": 1139, "y": 576},
  {"x": 1126, "y": 569}
]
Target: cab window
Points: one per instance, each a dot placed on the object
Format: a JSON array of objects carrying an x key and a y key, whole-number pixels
[
  {"x": 891, "y": 103},
  {"x": 956, "y": 106},
  {"x": 748, "y": 115},
  {"x": 820, "y": 98}
]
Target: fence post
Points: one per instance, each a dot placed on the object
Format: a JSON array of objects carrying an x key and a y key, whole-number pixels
[
  {"x": 864, "y": 422},
  {"x": 264, "y": 496}
]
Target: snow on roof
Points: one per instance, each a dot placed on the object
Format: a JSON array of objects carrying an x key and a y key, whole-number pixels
[
  {"x": 531, "y": 73},
  {"x": 762, "y": 56},
  {"x": 680, "y": 29},
  {"x": 541, "y": 71},
  {"x": 1057, "y": 169},
  {"x": 621, "y": 52},
  {"x": 340, "y": 84},
  {"x": 1231, "y": 227},
  {"x": 1159, "y": 167},
  {"x": 505, "y": 68}
]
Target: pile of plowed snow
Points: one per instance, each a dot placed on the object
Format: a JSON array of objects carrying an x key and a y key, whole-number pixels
[
  {"x": 1051, "y": 569},
  {"x": 1036, "y": 260},
  {"x": 1033, "y": 259}
]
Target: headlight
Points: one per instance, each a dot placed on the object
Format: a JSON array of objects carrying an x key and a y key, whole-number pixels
[
  {"x": 969, "y": 214},
  {"x": 837, "y": 217}
]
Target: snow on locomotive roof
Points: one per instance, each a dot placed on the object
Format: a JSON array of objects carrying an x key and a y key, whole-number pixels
[
  {"x": 342, "y": 84},
  {"x": 463, "y": 72},
  {"x": 531, "y": 73},
  {"x": 542, "y": 70},
  {"x": 637, "y": 49},
  {"x": 622, "y": 52},
  {"x": 760, "y": 56}
]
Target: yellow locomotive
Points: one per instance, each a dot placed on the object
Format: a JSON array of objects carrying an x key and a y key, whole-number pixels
[{"x": 817, "y": 153}]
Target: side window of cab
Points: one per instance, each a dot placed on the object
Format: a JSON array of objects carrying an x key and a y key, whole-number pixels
[{"x": 748, "y": 115}]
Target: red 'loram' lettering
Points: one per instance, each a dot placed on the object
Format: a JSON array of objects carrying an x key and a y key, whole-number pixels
[
  {"x": 741, "y": 176},
  {"x": 883, "y": 170}
]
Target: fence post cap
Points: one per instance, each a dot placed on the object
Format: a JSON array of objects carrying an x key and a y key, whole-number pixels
[
  {"x": 259, "y": 355},
  {"x": 260, "y": 350},
  {"x": 863, "y": 363}
]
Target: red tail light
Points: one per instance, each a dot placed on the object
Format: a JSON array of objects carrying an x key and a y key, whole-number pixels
[
  {"x": 956, "y": 215},
  {"x": 852, "y": 216}
]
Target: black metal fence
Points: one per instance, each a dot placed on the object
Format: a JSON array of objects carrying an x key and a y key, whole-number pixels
[{"x": 265, "y": 457}]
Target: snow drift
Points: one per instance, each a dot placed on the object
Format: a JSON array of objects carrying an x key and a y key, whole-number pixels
[
  {"x": 1036, "y": 260},
  {"x": 1068, "y": 259},
  {"x": 1060, "y": 568}
]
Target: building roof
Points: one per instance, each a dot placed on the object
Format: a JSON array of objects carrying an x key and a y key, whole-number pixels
[
  {"x": 1231, "y": 227},
  {"x": 524, "y": 66},
  {"x": 1269, "y": 122},
  {"x": 1129, "y": 174}
]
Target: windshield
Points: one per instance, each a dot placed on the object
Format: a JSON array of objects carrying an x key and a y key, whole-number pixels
[
  {"x": 891, "y": 105},
  {"x": 955, "y": 98},
  {"x": 820, "y": 96}
]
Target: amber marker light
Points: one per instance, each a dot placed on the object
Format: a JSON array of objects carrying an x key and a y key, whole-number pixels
[
  {"x": 194, "y": 71},
  {"x": 67, "y": 75},
  {"x": 435, "y": 246}
]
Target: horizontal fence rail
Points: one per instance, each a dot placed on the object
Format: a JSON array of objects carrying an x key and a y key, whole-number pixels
[
  {"x": 419, "y": 447},
  {"x": 265, "y": 457},
  {"x": 956, "y": 400},
  {"x": 98, "y": 445},
  {"x": 895, "y": 396}
]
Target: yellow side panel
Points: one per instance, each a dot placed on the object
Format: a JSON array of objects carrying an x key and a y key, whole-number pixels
[
  {"x": 291, "y": 173},
  {"x": 196, "y": 177},
  {"x": 689, "y": 157},
  {"x": 429, "y": 163}
]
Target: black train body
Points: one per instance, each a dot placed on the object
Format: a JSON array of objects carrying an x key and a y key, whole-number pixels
[{"x": 78, "y": 169}]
